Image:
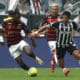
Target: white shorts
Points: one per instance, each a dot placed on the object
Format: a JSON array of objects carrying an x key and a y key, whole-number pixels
[
  {"x": 16, "y": 50},
  {"x": 52, "y": 45}
]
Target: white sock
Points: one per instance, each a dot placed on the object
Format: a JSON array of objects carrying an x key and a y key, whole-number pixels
[{"x": 64, "y": 69}]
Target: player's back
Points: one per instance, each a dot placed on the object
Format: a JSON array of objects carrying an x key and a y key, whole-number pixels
[{"x": 12, "y": 30}]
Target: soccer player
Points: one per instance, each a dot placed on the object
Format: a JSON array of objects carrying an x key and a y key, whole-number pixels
[
  {"x": 64, "y": 39},
  {"x": 51, "y": 18},
  {"x": 12, "y": 28},
  {"x": 13, "y": 5}
]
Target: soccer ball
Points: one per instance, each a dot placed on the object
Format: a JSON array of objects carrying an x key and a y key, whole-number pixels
[{"x": 32, "y": 72}]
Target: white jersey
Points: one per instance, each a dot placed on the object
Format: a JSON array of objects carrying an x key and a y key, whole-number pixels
[
  {"x": 13, "y": 4},
  {"x": 77, "y": 21}
]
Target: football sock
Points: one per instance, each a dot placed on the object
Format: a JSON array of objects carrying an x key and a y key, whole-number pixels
[
  {"x": 24, "y": 66},
  {"x": 64, "y": 69}
]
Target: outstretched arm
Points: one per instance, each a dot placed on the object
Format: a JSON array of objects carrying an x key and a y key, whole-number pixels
[
  {"x": 41, "y": 29},
  {"x": 33, "y": 42}
]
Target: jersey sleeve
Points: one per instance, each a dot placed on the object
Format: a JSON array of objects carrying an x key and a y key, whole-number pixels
[
  {"x": 55, "y": 25},
  {"x": 25, "y": 28},
  {"x": 74, "y": 26}
]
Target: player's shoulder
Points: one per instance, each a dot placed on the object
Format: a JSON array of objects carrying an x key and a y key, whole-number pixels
[
  {"x": 57, "y": 23},
  {"x": 7, "y": 19}
]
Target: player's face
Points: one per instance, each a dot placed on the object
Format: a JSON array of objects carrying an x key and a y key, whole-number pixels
[
  {"x": 65, "y": 18},
  {"x": 54, "y": 10}
]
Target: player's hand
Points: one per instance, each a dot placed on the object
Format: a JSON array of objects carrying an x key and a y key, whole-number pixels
[
  {"x": 35, "y": 33},
  {"x": 31, "y": 35}
]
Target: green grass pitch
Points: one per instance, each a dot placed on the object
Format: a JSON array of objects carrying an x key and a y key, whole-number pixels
[{"x": 44, "y": 74}]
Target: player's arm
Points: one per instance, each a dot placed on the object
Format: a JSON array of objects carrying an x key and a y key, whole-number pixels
[
  {"x": 46, "y": 27},
  {"x": 75, "y": 26},
  {"x": 29, "y": 34},
  {"x": 41, "y": 29},
  {"x": 33, "y": 42}
]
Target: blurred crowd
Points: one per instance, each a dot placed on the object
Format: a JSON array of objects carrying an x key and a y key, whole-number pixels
[
  {"x": 37, "y": 6},
  {"x": 41, "y": 7}
]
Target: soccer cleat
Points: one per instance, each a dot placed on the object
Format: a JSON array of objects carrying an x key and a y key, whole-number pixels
[
  {"x": 39, "y": 61},
  {"x": 66, "y": 72},
  {"x": 52, "y": 68}
]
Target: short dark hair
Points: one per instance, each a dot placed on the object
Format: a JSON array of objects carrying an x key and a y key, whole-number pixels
[
  {"x": 67, "y": 13},
  {"x": 11, "y": 12}
]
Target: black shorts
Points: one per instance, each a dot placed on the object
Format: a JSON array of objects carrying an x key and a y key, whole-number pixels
[{"x": 61, "y": 51}]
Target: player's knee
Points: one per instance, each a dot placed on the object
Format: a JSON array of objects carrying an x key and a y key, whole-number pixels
[{"x": 76, "y": 54}]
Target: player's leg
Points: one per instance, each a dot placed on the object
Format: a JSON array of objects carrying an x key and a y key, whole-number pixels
[
  {"x": 76, "y": 54},
  {"x": 61, "y": 53},
  {"x": 21, "y": 63},
  {"x": 30, "y": 53},
  {"x": 62, "y": 65},
  {"x": 52, "y": 45},
  {"x": 61, "y": 62},
  {"x": 55, "y": 57},
  {"x": 74, "y": 51},
  {"x": 27, "y": 49},
  {"x": 16, "y": 54},
  {"x": 53, "y": 61}
]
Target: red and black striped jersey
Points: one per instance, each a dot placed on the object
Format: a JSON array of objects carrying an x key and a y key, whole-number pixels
[
  {"x": 51, "y": 33},
  {"x": 12, "y": 30}
]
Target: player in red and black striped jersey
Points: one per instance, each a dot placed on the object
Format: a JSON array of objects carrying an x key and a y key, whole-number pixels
[
  {"x": 51, "y": 33},
  {"x": 12, "y": 28}
]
